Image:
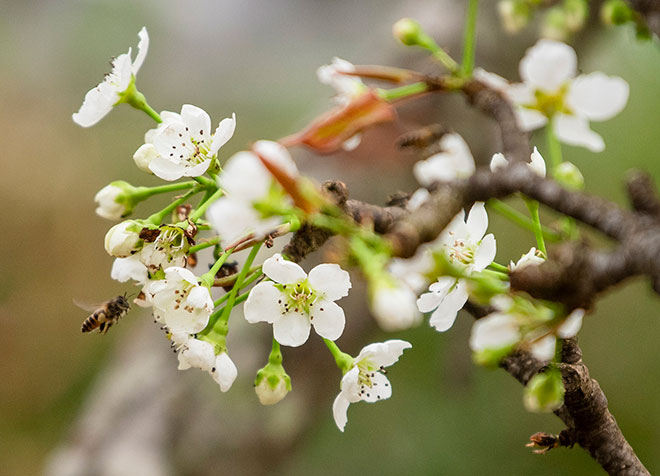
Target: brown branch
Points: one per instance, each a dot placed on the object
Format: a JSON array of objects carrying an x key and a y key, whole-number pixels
[{"x": 650, "y": 12}]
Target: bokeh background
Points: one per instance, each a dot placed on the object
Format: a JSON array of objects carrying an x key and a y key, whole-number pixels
[{"x": 73, "y": 404}]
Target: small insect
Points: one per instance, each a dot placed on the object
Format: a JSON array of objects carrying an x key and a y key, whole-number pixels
[{"x": 105, "y": 315}]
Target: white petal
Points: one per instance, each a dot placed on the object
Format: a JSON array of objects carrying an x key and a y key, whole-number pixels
[
  {"x": 223, "y": 133},
  {"x": 197, "y": 121},
  {"x": 225, "y": 371},
  {"x": 380, "y": 389},
  {"x": 544, "y": 349},
  {"x": 340, "y": 411},
  {"x": 262, "y": 304},
  {"x": 352, "y": 143},
  {"x": 277, "y": 154},
  {"x": 292, "y": 329},
  {"x": 328, "y": 319},
  {"x": 178, "y": 274},
  {"x": 529, "y": 119},
  {"x": 384, "y": 354},
  {"x": 395, "y": 308},
  {"x": 166, "y": 169},
  {"x": 492, "y": 80},
  {"x": 418, "y": 198},
  {"x": 282, "y": 271},
  {"x": 498, "y": 162},
  {"x": 124, "y": 269},
  {"x": 574, "y": 130},
  {"x": 477, "y": 221},
  {"x": 330, "y": 280},
  {"x": 548, "y": 65},
  {"x": 445, "y": 315},
  {"x": 485, "y": 254},
  {"x": 350, "y": 385},
  {"x": 197, "y": 170},
  {"x": 429, "y": 301},
  {"x": 537, "y": 163},
  {"x": 571, "y": 325},
  {"x": 598, "y": 96},
  {"x": 521, "y": 94},
  {"x": 245, "y": 177},
  {"x": 232, "y": 218},
  {"x": 200, "y": 297},
  {"x": 494, "y": 331},
  {"x": 198, "y": 354},
  {"x": 97, "y": 103},
  {"x": 143, "y": 47}
]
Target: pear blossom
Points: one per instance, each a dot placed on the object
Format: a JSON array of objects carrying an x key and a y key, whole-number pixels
[
  {"x": 180, "y": 302},
  {"x": 551, "y": 91},
  {"x": 394, "y": 306},
  {"x": 109, "y": 207},
  {"x": 248, "y": 187},
  {"x": 123, "y": 239},
  {"x": 184, "y": 143},
  {"x": 293, "y": 301},
  {"x": 536, "y": 164},
  {"x": 532, "y": 257},
  {"x": 201, "y": 354},
  {"x": 167, "y": 249},
  {"x": 454, "y": 162},
  {"x": 464, "y": 244},
  {"x": 366, "y": 379},
  {"x": 100, "y": 100},
  {"x": 131, "y": 267}
]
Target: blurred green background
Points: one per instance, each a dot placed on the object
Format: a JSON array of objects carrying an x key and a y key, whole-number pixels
[{"x": 258, "y": 58}]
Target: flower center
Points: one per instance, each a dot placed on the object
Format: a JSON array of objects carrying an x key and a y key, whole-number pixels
[
  {"x": 298, "y": 297},
  {"x": 461, "y": 252},
  {"x": 550, "y": 104}
]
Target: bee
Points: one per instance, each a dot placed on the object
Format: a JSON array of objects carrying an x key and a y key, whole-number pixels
[{"x": 105, "y": 315}]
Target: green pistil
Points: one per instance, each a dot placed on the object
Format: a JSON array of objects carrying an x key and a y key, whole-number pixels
[
  {"x": 551, "y": 103},
  {"x": 299, "y": 296}
]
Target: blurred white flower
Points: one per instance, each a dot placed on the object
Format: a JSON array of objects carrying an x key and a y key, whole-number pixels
[
  {"x": 347, "y": 87},
  {"x": 293, "y": 301},
  {"x": 454, "y": 162},
  {"x": 394, "y": 306},
  {"x": 366, "y": 379},
  {"x": 536, "y": 164},
  {"x": 100, "y": 100}
]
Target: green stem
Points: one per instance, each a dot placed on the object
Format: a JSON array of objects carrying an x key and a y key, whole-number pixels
[
  {"x": 554, "y": 148},
  {"x": 207, "y": 244},
  {"x": 208, "y": 183},
  {"x": 136, "y": 99},
  {"x": 521, "y": 220},
  {"x": 197, "y": 214},
  {"x": 446, "y": 60},
  {"x": 403, "y": 91},
  {"x": 343, "y": 360},
  {"x": 498, "y": 267},
  {"x": 470, "y": 38},
  {"x": 533, "y": 207},
  {"x": 158, "y": 217},
  {"x": 208, "y": 278},
  {"x": 143, "y": 193}
]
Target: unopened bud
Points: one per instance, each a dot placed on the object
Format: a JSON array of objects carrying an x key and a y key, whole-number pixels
[
  {"x": 271, "y": 387},
  {"x": 615, "y": 12},
  {"x": 143, "y": 157},
  {"x": 407, "y": 31},
  {"x": 569, "y": 175},
  {"x": 123, "y": 239},
  {"x": 545, "y": 392},
  {"x": 514, "y": 14}
]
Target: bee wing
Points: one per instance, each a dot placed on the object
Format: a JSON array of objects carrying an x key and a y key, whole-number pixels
[{"x": 87, "y": 306}]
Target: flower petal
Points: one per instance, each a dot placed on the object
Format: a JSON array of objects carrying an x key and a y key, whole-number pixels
[
  {"x": 223, "y": 133},
  {"x": 200, "y": 297},
  {"x": 225, "y": 371},
  {"x": 330, "y": 280},
  {"x": 292, "y": 329},
  {"x": 574, "y": 130},
  {"x": 598, "y": 96},
  {"x": 380, "y": 388},
  {"x": 529, "y": 119},
  {"x": 485, "y": 253},
  {"x": 571, "y": 325},
  {"x": 143, "y": 47},
  {"x": 445, "y": 315},
  {"x": 166, "y": 169},
  {"x": 277, "y": 154},
  {"x": 97, "y": 103},
  {"x": 262, "y": 304},
  {"x": 197, "y": 121},
  {"x": 548, "y": 65},
  {"x": 328, "y": 319},
  {"x": 544, "y": 349},
  {"x": 477, "y": 221},
  {"x": 498, "y": 162},
  {"x": 495, "y": 331},
  {"x": 282, "y": 271},
  {"x": 384, "y": 354},
  {"x": 340, "y": 411},
  {"x": 537, "y": 163},
  {"x": 124, "y": 269}
]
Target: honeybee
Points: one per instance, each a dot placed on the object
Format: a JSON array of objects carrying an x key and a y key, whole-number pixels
[{"x": 105, "y": 315}]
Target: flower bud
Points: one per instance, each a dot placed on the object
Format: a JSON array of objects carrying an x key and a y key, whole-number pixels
[
  {"x": 514, "y": 14},
  {"x": 407, "y": 31},
  {"x": 143, "y": 157},
  {"x": 122, "y": 240},
  {"x": 272, "y": 384},
  {"x": 570, "y": 176},
  {"x": 115, "y": 200},
  {"x": 394, "y": 306},
  {"x": 615, "y": 12},
  {"x": 545, "y": 392}
]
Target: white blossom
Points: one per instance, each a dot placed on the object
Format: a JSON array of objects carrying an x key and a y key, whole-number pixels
[
  {"x": 200, "y": 354},
  {"x": 551, "y": 90},
  {"x": 366, "y": 379},
  {"x": 184, "y": 143},
  {"x": 495, "y": 331},
  {"x": 122, "y": 240},
  {"x": 179, "y": 302},
  {"x": 536, "y": 164},
  {"x": 394, "y": 307},
  {"x": 100, "y": 100},
  {"x": 454, "y": 162},
  {"x": 293, "y": 301},
  {"x": 347, "y": 87},
  {"x": 530, "y": 258},
  {"x": 131, "y": 267},
  {"x": 464, "y": 244},
  {"x": 247, "y": 185},
  {"x": 169, "y": 248},
  {"x": 109, "y": 207}
]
